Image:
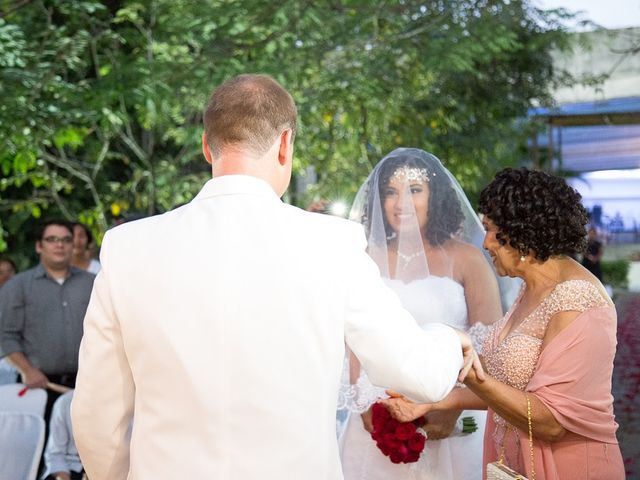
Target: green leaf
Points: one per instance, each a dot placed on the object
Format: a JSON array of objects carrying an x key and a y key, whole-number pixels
[{"x": 71, "y": 137}]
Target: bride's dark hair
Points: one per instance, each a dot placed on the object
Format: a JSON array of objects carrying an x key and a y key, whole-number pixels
[{"x": 444, "y": 216}]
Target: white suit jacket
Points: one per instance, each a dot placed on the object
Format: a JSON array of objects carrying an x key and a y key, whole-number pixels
[{"x": 218, "y": 331}]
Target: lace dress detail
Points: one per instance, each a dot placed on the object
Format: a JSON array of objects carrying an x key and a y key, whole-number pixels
[
  {"x": 358, "y": 397},
  {"x": 513, "y": 360}
]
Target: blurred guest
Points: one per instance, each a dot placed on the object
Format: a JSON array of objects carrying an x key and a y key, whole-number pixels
[
  {"x": 83, "y": 249},
  {"x": 8, "y": 374},
  {"x": 42, "y": 310},
  {"x": 7, "y": 270},
  {"x": 593, "y": 254},
  {"x": 318, "y": 206},
  {"x": 61, "y": 457}
]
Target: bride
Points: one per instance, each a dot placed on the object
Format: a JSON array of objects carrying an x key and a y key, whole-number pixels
[{"x": 421, "y": 229}]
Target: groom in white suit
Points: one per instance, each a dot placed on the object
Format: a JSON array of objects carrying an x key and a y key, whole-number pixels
[{"x": 215, "y": 336}]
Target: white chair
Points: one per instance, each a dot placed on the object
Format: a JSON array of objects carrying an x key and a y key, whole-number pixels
[
  {"x": 8, "y": 374},
  {"x": 22, "y": 440},
  {"x": 32, "y": 401}
]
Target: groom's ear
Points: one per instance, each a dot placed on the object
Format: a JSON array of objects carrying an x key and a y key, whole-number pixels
[
  {"x": 285, "y": 152},
  {"x": 206, "y": 151}
]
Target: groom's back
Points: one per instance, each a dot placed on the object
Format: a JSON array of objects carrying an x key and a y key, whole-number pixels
[{"x": 231, "y": 310}]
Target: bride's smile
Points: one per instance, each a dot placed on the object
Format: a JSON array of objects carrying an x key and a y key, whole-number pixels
[{"x": 406, "y": 203}]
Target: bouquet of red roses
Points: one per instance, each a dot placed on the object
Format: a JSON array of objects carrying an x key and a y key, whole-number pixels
[{"x": 402, "y": 442}]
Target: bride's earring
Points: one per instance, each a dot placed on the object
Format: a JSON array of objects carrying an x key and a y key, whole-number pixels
[{"x": 522, "y": 258}]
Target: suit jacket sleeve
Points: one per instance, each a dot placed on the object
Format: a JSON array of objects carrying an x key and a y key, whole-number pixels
[
  {"x": 102, "y": 406},
  {"x": 421, "y": 363}
]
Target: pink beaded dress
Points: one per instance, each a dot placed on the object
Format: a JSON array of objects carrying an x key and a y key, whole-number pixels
[{"x": 571, "y": 376}]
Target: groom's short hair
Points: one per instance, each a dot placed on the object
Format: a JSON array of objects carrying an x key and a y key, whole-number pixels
[{"x": 248, "y": 110}]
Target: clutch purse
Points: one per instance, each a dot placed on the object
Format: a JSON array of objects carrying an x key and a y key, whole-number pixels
[{"x": 499, "y": 471}]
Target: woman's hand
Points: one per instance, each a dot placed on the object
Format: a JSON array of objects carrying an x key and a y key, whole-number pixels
[
  {"x": 471, "y": 360},
  {"x": 403, "y": 409},
  {"x": 441, "y": 423},
  {"x": 472, "y": 378}
]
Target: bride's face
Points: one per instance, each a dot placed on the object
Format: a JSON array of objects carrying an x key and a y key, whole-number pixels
[{"x": 406, "y": 203}]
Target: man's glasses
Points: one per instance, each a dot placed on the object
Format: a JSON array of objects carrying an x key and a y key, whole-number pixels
[{"x": 54, "y": 239}]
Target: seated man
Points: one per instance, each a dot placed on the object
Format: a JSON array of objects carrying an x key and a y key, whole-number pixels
[{"x": 61, "y": 458}]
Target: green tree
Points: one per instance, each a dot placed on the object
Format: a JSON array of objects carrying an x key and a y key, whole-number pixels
[{"x": 103, "y": 99}]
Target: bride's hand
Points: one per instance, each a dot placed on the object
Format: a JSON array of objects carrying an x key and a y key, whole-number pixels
[
  {"x": 441, "y": 423},
  {"x": 403, "y": 409},
  {"x": 367, "y": 421}
]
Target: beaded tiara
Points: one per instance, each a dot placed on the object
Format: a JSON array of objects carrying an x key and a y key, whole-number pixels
[{"x": 411, "y": 174}]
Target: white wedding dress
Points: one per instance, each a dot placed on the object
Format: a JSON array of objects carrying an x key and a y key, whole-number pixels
[{"x": 431, "y": 299}]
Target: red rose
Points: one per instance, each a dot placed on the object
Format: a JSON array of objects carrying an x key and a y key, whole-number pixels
[
  {"x": 396, "y": 457},
  {"x": 416, "y": 443},
  {"x": 390, "y": 441},
  {"x": 405, "y": 431},
  {"x": 398, "y": 441},
  {"x": 404, "y": 451},
  {"x": 389, "y": 425},
  {"x": 379, "y": 414},
  {"x": 412, "y": 457},
  {"x": 420, "y": 422}
]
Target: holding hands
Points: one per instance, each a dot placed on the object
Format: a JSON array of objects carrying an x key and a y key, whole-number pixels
[
  {"x": 403, "y": 409},
  {"x": 440, "y": 421},
  {"x": 470, "y": 358}
]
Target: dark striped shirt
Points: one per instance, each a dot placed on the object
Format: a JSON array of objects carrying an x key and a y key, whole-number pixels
[{"x": 43, "y": 319}]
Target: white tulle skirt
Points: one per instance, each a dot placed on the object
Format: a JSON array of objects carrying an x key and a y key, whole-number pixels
[{"x": 455, "y": 458}]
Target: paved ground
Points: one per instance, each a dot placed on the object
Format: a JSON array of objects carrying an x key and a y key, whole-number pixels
[{"x": 626, "y": 381}]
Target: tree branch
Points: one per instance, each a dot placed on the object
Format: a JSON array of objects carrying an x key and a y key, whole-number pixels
[
  {"x": 52, "y": 189},
  {"x": 100, "y": 160},
  {"x": 15, "y": 7}
]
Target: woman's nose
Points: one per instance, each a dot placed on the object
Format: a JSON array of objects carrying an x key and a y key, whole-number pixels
[
  {"x": 401, "y": 201},
  {"x": 485, "y": 242}
]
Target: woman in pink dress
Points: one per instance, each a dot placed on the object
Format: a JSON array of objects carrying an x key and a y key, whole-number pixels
[{"x": 550, "y": 359}]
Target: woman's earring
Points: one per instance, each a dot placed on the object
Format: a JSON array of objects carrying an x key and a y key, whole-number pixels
[{"x": 522, "y": 258}]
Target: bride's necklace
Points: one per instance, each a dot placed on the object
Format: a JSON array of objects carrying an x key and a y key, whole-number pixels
[{"x": 408, "y": 258}]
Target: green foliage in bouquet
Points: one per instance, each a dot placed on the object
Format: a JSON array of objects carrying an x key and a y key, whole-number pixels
[{"x": 469, "y": 425}]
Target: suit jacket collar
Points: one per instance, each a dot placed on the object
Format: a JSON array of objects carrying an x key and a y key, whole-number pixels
[{"x": 236, "y": 185}]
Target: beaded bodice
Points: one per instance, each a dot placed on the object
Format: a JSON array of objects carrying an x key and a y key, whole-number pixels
[{"x": 513, "y": 359}]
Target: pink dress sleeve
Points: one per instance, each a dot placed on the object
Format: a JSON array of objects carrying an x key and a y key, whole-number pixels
[
  {"x": 573, "y": 380},
  {"x": 573, "y": 376}
]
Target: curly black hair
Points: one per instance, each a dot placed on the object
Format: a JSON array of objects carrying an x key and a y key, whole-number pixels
[
  {"x": 445, "y": 215},
  {"x": 535, "y": 211}
]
